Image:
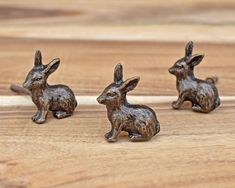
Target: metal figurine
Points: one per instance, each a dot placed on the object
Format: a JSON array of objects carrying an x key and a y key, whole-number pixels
[
  {"x": 59, "y": 99},
  {"x": 202, "y": 93},
  {"x": 138, "y": 120}
]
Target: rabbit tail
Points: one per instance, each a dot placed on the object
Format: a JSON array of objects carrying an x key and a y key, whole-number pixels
[
  {"x": 19, "y": 89},
  {"x": 217, "y": 102},
  {"x": 157, "y": 128},
  {"x": 76, "y": 103},
  {"x": 212, "y": 79}
]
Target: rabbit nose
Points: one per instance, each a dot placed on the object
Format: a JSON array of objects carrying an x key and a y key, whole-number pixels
[
  {"x": 100, "y": 99},
  {"x": 171, "y": 70}
]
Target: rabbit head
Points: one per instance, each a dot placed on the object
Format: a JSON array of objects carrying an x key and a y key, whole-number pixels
[
  {"x": 37, "y": 77},
  {"x": 184, "y": 67},
  {"x": 115, "y": 93}
]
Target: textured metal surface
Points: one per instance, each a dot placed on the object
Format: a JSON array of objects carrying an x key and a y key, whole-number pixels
[
  {"x": 202, "y": 93},
  {"x": 138, "y": 120},
  {"x": 59, "y": 99}
]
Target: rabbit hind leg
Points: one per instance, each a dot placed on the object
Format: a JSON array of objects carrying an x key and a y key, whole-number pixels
[
  {"x": 61, "y": 114},
  {"x": 143, "y": 133},
  {"x": 204, "y": 104},
  {"x": 198, "y": 108},
  {"x": 138, "y": 137}
]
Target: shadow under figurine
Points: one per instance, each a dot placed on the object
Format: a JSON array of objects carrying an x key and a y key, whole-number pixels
[
  {"x": 138, "y": 120},
  {"x": 202, "y": 93},
  {"x": 59, "y": 99}
]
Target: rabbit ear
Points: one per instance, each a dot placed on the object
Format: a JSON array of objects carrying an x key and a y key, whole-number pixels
[
  {"x": 129, "y": 84},
  {"x": 195, "y": 60},
  {"x": 52, "y": 66},
  {"x": 118, "y": 73},
  {"x": 38, "y": 59},
  {"x": 189, "y": 49}
]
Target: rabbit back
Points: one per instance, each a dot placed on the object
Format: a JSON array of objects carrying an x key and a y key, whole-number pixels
[{"x": 62, "y": 98}]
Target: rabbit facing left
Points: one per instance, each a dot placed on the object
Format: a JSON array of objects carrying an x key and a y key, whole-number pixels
[
  {"x": 59, "y": 99},
  {"x": 138, "y": 120},
  {"x": 203, "y": 94}
]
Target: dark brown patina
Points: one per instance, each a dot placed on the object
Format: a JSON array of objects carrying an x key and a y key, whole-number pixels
[
  {"x": 203, "y": 94},
  {"x": 138, "y": 120}
]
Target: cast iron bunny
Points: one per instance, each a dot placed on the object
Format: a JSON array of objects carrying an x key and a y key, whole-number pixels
[
  {"x": 202, "y": 93},
  {"x": 59, "y": 99},
  {"x": 138, "y": 120}
]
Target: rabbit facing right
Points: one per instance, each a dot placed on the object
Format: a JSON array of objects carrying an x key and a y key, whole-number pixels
[
  {"x": 203, "y": 94},
  {"x": 138, "y": 120}
]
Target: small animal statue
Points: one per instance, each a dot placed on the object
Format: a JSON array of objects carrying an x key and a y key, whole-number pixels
[
  {"x": 138, "y": 120},
  {"x": 202, "y": 93},
  {"x": 59, "y": 99}
]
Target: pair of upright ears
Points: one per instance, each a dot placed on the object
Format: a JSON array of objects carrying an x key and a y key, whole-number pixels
[
  {"x": 192, "y": 60},
  {"x": 127, "y": 85},
  {"x": 47, "y": 69}
]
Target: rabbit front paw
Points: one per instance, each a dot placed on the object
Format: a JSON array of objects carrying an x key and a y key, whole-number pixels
[
  {"x": 109, "y": 137},
  {"x": 36, "y": 116},
  {"x": 39, "y": 120},
  {"x": 175, "y": 105}
]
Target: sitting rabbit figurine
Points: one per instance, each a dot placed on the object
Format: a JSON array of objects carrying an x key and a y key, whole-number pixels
[
  {"x": 59, "y": 99},
  {"x": 139, "y": 121},
  {"x": 202, "y": 93}
]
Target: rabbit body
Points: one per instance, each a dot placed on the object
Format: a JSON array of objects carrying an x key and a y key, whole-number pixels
[
  {"x": 138, "y": 120},
  {"x": 202, "y": 93},
  {"x": 59, "y": 99}
]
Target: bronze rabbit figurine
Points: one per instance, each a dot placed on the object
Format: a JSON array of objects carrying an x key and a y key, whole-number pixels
[
  {"x": 203, "y": 94},
  {"x": 59, "y": 99},
  {"x": 138, "y": 120}
]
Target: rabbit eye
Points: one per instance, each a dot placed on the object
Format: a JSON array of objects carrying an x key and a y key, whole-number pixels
[
  {"x": 180, "y": 66},
  {"x": 111, "y": 94},
  {"x": 37, "y": 79}
]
